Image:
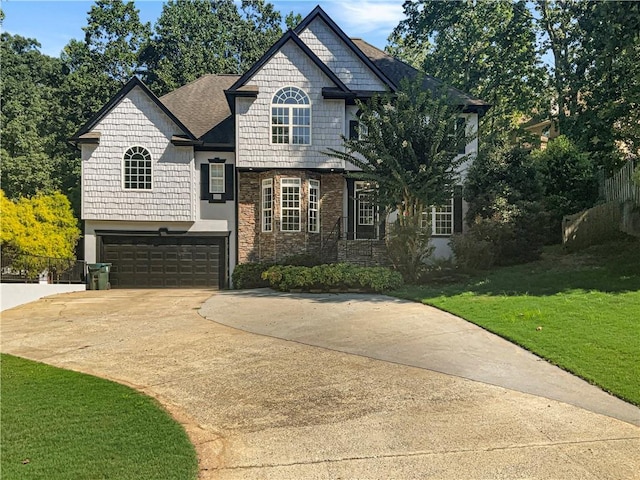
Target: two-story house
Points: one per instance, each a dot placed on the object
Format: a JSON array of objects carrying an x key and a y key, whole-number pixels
[{"x": 229, "y": 169}]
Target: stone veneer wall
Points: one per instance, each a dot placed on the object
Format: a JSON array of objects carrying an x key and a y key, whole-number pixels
[{"x": 257, "y": 246}]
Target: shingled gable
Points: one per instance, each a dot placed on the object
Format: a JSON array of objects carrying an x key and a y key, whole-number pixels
[
  {"x": 318, "y": 12},
  {"x": 239, "y": 87},
  {"x": 84, "y": 135}
]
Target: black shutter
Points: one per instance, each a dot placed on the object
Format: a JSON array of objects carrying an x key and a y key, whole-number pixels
[
  {"x": 204, "y": 181},
  {"x": 229, "y": 184},
  {"x": 461, "y": 124},
  {"x": 350, "y": 210},
  {"x": 457, "y": 209},
  {"x": 353, "y": 129}
]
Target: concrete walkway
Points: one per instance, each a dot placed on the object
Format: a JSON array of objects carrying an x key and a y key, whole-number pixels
[
  {"x": 258, "y": 407},
  {"x": 408, "y": 333}
]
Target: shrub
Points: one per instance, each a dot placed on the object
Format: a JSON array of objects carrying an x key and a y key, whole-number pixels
[
  {"x": 472, "y": 253},
  {"x": 302, "y": 260},
  {"x": 249, "y": 275},
  {"x": 408, "y": 247},
  {"x": 329, "y": 277}
]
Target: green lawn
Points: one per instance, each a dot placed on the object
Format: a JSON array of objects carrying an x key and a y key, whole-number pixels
[
  {"x": 58, "y": 424},
  {"x": 580, "y": 311}
]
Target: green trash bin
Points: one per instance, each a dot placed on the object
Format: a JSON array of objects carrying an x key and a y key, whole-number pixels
[{"x": 98, "y": 276}]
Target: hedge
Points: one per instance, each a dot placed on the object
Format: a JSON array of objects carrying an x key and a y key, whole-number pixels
[{"x": 339, "y": 276}]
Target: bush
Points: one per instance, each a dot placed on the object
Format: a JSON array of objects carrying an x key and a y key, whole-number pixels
[
  {"x": 339, "y": 276},
  {"x": 249, "y": 275},
  {"x": 408, "y": 247},
  {"x": 472, "y": 253},
  {"x": 302, "y": 260}
]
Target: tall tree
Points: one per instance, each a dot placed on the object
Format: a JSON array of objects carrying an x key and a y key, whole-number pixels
[
  {"x": 196, "y": 37},
  {"x": 30, "y": 153},
  {"x": 113, "y": 36},
  {"x": 410, "y": 155},
  {"x": 486, "y": 48},
  {"x": 596, "y": 50}
]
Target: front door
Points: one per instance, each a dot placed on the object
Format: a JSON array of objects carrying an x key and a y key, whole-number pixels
[{"x": 365, "y": 212}]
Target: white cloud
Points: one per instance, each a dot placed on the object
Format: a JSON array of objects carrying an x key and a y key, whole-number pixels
[{"x": 366, "y": 17}]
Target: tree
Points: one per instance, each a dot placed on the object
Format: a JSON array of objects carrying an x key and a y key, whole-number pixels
[
  {"x": 486, "y": 48},
  {"x": 31, "y": 155},
  {"x": 194, "y": 38},
  {"x": 113, "y": 36},
  {"x": 410, "y": 153},
  {"x": 504, "y": 194},
  {"x": 596, "y": 48},
  {"x": 35, "y": 230},
  {"x": 568, "y": 180}
]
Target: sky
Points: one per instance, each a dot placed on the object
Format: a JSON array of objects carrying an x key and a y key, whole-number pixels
[{"x": 54, "y": 23}]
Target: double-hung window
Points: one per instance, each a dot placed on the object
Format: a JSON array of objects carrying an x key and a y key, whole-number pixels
[
  {"x": 137, "y": 169},
  {"x": 290, "y": 204},
  {"x": 439, "y": 219},
  {"x": 267, "y": 205},
  {"x": 291, "y": 117},
  {"x": 314, "y": 206},
  {"x": 216, "y": 178}
]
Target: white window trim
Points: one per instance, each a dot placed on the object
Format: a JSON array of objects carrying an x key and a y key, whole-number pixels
[
  {"x": 431, "y": 215},
  {"x": 290, "y": 182},
  {"x": 314, "y": 185},
  {"x": 290, "y": 107},
  {"x": 267, "y": 184},
  {"x": 211, "y": 189},
  {"x": 123, "y": 166}
]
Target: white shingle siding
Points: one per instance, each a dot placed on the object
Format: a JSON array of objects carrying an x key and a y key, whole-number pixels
[
  {"x": 339, "y": 57},
  {"x": 137, "y": 120},
  {"x": 288, "y": 67}
]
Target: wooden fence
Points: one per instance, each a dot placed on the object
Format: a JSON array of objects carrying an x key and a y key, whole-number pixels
[
  {"x": 620, "y": 187},
  {"x": 591, "y": 227}
]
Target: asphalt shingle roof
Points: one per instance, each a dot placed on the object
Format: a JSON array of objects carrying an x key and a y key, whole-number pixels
[
  {"x": 396, "y": 70},
  {"x": 202, "y": 106}
]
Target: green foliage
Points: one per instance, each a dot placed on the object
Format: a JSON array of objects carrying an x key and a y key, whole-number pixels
[
  {"x": 66, "y": 425},
  {"x": 505, "y": 204},
  {"x": 595, "y": 46},
  {"x": 569, "y": 184},
  {"x": 302, "y": 260},
  {"x": 113, "y": 36},
  {"x": 410, "y": 151},
  {"x": 340, "y": 276},
  {"x": 42, "y": 226},
  {"x": 486, "y": 48},
  {"x": 636, "y": 176},
  {"x": 249, "y": 275},
  {"x": 472, "y": 253},
  {"x": 34, "y": 150},
  {"x": 194, "y": 38},
  {"x": 409, "y": 249}
]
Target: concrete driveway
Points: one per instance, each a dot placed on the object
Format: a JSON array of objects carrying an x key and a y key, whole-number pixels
[{"x": 263, "y": 407}]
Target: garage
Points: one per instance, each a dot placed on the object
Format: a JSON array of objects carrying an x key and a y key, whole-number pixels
[{"x": 164, "y": 261}]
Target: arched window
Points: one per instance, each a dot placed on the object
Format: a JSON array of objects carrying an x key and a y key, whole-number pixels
[
  {"x": 137, "y": 169},
  {"x": 291, "y": 117}
]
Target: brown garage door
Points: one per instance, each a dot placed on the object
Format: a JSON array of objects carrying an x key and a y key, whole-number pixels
[{"x": 170, "y": 262}]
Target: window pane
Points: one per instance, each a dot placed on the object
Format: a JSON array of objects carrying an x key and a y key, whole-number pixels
[
  {"x": 137, "y": 169},
  {"x": 216, "y": 177}
]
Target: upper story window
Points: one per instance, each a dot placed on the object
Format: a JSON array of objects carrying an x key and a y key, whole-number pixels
[
  {"x": 137, "y": 169},
  {"x": 216, "y": 178},
  {"x": 291, "y": 117}
]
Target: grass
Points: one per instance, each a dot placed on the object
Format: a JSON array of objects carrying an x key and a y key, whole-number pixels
[
  {"x": 66, "y": 425},
  {"x": 580, "y": 311}
]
